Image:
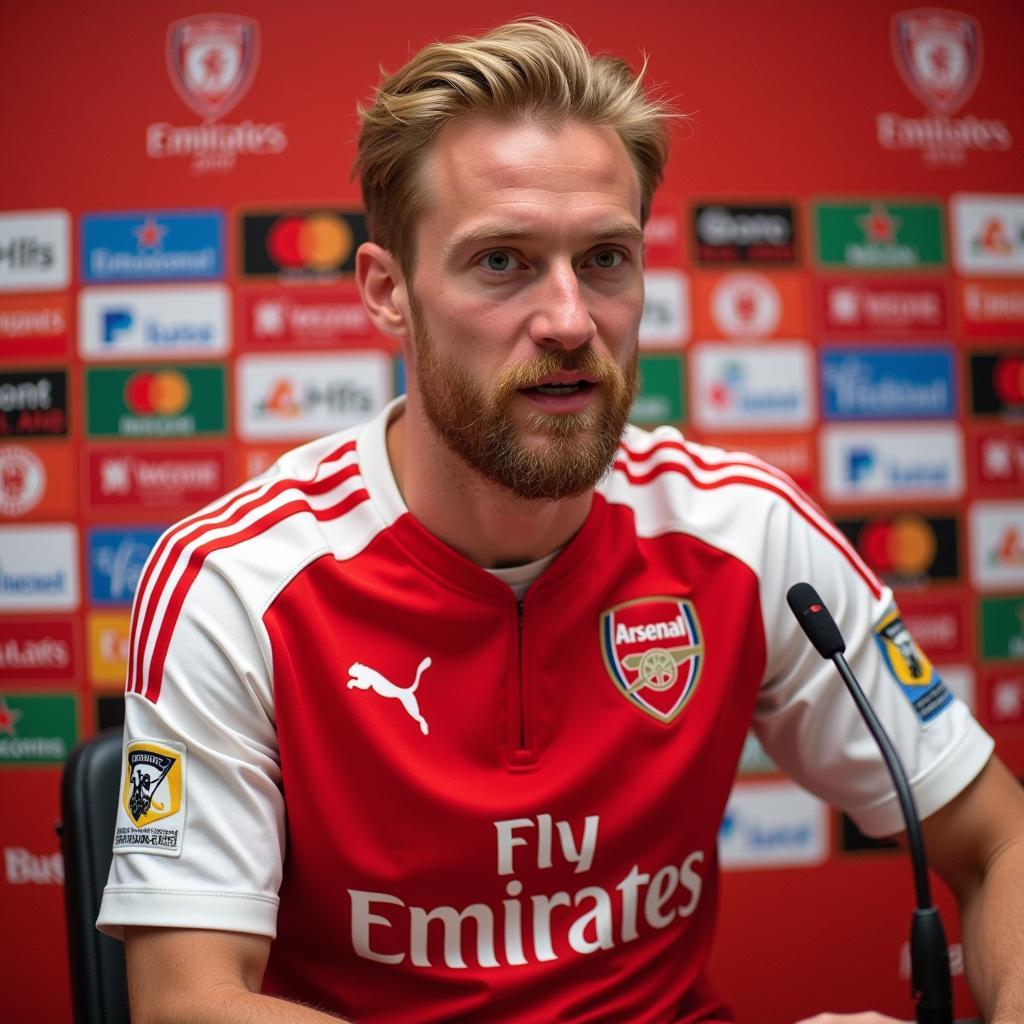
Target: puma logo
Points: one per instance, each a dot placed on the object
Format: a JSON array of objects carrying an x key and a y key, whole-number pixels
[{"x": 364, "y": 678}]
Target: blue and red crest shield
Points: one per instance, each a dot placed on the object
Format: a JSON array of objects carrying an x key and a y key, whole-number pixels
[{"x": 653, "y": 650}]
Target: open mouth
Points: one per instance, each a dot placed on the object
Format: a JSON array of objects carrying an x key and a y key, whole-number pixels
[{"x": 562, "y": 389}]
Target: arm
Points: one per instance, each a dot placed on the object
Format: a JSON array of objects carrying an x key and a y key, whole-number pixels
[
  {"x": 976, "y": 843},
  {"x": 204, "y": 977}
]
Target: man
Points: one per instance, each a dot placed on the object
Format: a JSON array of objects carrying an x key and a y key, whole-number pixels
[{"x": 451, "y": 709}]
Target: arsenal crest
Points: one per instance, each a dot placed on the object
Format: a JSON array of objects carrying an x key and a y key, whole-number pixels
[
  {"x": 212, "y": 59},
  {"x": 653, "y": 650},
  {"x": 938, "y": 53}
]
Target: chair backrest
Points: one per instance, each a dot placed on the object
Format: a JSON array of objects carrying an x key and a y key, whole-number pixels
[{"x": 89, "y": 796}]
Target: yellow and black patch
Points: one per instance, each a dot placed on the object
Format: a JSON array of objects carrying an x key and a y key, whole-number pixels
[
  {"x": 910, "y": 667},
  {"x": 153, "y": 782}
]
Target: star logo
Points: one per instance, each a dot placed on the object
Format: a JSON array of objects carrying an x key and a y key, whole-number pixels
[
  {"x": 879, "y": 226},
  {"x": 8, "y": 718},
  {"x": 150, "y": 234}
]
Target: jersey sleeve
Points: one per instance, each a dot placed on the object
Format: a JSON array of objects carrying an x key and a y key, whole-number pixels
[
  {"x": 806, "y": 718},
  {"x": 200, "y": 827}
]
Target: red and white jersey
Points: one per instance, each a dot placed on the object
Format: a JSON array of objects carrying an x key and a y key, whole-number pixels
[{"x": 448, "y": 805}]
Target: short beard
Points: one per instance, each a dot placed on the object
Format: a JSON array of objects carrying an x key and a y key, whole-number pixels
[{"x": 479, "y": 428}]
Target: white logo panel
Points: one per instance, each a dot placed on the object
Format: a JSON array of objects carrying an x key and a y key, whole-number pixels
[
  {"x": 301, "y": 396},
  {"x": 772, "y": 824},
  {"x": 35, "y": 251},
  {"x": 988, "y": 233},
  {"x": 38, "y": 568},
  {"x": 861, "y": 463},
  {"x": 736, "y": 387},
  {"x": 997, "y": 544},
  {"x": 154, "y": 323},
  {"x": 666, "y": 319}
]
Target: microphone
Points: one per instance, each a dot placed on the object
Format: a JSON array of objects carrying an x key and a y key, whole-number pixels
[{"x": 929, "y": 955}]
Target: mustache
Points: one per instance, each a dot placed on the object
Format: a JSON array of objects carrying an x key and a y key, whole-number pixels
[{"x": 585, "y": 361}]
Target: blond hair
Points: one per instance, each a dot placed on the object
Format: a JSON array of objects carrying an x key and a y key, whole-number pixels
[{"x": 531, "y": 69}]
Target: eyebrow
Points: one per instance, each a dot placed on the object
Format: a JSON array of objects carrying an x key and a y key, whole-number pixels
[{"x": 514, "y": 232}]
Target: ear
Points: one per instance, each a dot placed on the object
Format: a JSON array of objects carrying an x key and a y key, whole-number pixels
[{"x": 383, "y": 290}]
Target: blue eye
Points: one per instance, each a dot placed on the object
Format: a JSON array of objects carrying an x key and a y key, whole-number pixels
[
  {"x": 608, "y": 259},
  {"x": 499, "y": 261}
]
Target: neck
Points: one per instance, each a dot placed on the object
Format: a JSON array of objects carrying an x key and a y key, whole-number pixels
[{"x": 481, "y": 520}]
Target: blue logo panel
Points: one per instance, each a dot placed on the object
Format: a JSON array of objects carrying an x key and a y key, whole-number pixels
[
  {"x": 163, "y": 245},
  {"x": 116, "y": 558},
  {"x": 887, "y": 384}
]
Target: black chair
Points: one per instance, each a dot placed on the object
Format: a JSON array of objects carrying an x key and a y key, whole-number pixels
[{"x": 89, "y": 795}]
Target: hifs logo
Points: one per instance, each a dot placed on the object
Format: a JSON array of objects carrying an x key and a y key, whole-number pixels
[
  {"x": 212, "y": 60},
  {"x": 666, "y": 317},
  {"x": 165, "y": 245},
  {"x": 997, "y": 544},
  {"x": 116, "y": 560},
  {"x": 988, "y": 233},
  {"x": 653, "y": 651},
  {"x": 154, "y": 322},
  {"x": 22, "y": 480},
  {"x": 34, "y": 251},
  {"x": 938, "y": 53}
]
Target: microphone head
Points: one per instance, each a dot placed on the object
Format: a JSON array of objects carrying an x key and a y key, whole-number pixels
[{"x": 815, "y": 620}]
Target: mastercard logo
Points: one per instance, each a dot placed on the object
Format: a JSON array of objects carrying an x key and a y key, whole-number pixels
[
  {"x": 905, "y": 545},
  {"x": 320, "y": 241},
  {"x": 157, "y": 393},
  {"x": 1008, "y": 379}
]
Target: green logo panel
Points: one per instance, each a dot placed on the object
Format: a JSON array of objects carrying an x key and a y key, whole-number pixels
[
  {"x": 661, "y": 390},
  {"x": 37, "y": 729},
  {"x": 1001, "y": 622},
  {"x": 155, "y": 402},
  {"x": 880, "y": 236}
]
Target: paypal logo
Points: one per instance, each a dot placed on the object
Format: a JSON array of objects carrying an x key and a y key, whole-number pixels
[
  {"x": 860, "y": 464},
  {"x": 116, "y": 322}
]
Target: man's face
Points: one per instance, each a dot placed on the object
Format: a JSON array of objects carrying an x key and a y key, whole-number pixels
[{"x": 526, "y": 300}]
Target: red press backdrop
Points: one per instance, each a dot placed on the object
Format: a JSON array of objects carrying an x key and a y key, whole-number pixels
[{"x": 836, "y": 281}]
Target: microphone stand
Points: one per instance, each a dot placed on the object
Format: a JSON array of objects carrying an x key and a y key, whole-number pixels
[{"x": 929, "y": 953}]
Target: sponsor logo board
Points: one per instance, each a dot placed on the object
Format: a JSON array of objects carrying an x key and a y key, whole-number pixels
[
  {"x": 157, "y": 323},
  {"x": 744, "y": 233},
  {"x": 997, "y": 544},
  {"x": 666, "y": 317},
  {"x": 1004, "y": 698},
  {"x": 1001, "y": 628},
  {"x": 116, "y": 559},
  {"x": 938, "y": 53},
  {"x": 161, "y": 480},
  {"x": 167, "y": 245},
  {"x": 772, "y": 824},
  {"x": 107, "y": 647},
  {"x": 663, "y": 238},
  {"x": 997, "y": 463},
  {"x": 36, "y": 481},
  {"x": 988, "y": 234},
  {"x": 34, "y": 650},
  {"x": 299, "y": 244},
  {"x": 33, "y": 403},
  {"x": 907, "y": 549},
  {"x": 35, "y": 251},
  {"x": 212, "y": 61},
  {"x": 323, "y": 317},
  {"x": 792, "y": 453},
  {"x": 882, "y": 307},
  {"x": 938, "y": 624},
  {"x": 749, "y": 304},
  {"x": 37, "y": 729},
  {"x": 660, "y": 398},
  {"x": 862, "y": 463},
  {"x": 997, "y": 383},
  {"x": 879, "y": 235},
  {"x": 163, "y": 402},
  {"x": 38, "y": 568},
  {"x": 743, "y": 387},
  {"x": 303, "y": 396},
  {"x": 23, "y": 867},
  {"x": 888, "y": 383},
  {"x": 33, "y": 326},
  {"x": 992, "y": 308}
]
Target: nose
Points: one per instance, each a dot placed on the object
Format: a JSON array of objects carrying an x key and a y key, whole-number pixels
[{"x": 561, "y": 318}]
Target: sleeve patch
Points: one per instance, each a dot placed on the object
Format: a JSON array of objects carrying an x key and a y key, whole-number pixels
[
  {"x": 151, "y": 815},
  {"x": 910, "y": 667}
]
